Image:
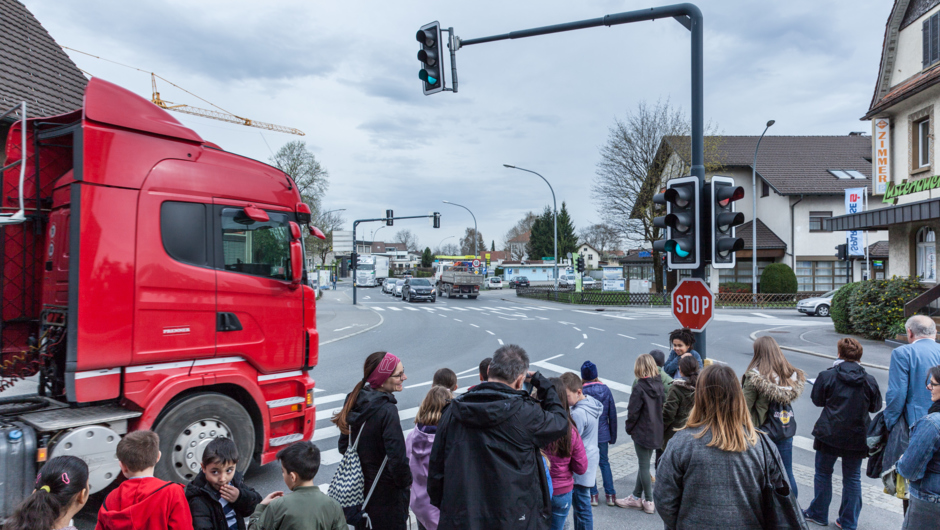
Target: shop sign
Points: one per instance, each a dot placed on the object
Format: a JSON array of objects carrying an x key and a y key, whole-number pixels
[
  {"x": 854, "y": 203},
  {"x": 906, "y": 188},
  {"x": 881, "y": 134}
]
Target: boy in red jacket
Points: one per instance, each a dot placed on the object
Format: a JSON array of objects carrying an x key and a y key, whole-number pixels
[{"x": 143, "y": 502}]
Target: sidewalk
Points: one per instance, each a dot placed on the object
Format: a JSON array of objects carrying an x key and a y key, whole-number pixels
[
  {"x": 822, "y": 340},
  {"x": 338, "y": 319}
]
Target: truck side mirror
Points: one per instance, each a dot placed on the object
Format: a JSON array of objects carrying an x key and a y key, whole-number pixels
[
  {"x": 316, "y": 232},
  {"x": 256, "y": 214},
  {"x": 296, "y": 264}
]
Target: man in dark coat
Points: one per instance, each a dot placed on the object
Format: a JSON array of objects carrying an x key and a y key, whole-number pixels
[{"x": 486, "y": 470}]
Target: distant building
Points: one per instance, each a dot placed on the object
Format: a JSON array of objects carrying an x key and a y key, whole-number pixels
[
  {"x": 592, "y": 257},
  {"x": 517, "y": 246}
]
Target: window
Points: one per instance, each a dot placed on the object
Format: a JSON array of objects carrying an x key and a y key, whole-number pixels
[
  {"x": 927, "y": 255},
  {"x": 930, "y": 33},
  {"x": 590, "y": 257},
  {"x": 256, "y": 248},
  {"x": 764, "y": 188},
  {"x": 922, "y": 143},
  {"x": 820, "y": 275},
  {"x": 741, "y": 273},
  {"x": 816, "y": 221},
  {"x": 183, "y": 229}
]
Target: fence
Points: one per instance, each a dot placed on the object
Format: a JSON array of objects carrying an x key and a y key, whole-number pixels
[{"x": 620, "y": 298}]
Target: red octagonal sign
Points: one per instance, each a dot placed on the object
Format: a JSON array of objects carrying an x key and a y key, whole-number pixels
[{"x": 693, "y": 303}]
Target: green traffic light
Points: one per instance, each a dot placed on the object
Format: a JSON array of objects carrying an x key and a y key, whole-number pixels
[
  {"x": 424, "y": 76},
  {"x": 680, "y": 252}
]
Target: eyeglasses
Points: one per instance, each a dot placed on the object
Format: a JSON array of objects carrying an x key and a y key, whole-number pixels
[
  {"x": 931, "y": 384},
  {"x": 397, "y": 376}
]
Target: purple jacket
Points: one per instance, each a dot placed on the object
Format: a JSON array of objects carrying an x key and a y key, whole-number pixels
[
  {"x": 563, "y": 468},
  {"x": 418, "y": 448},
  {"x": 607, "y": 423}
]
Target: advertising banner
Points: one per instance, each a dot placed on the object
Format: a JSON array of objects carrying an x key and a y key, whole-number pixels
[
  {"x": 855, "y": 203},
  {"x": 881, "y": 144}
]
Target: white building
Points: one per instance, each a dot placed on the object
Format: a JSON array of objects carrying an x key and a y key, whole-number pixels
[{"x": 592, "y": 257}]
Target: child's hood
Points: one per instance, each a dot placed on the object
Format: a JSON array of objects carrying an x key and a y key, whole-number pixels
[
  {"x": 590, "y": 406},
  {"x": 136, "y": 501},
  {"x": 420, "y": 442}
]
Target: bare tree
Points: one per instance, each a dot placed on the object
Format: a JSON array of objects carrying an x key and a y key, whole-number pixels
[
  {"x": 635, "y": 163},
  {"x": 449, "y": 249},
  {"x": 601, "y": 236},
  {"x": 327, "y": 223},
  {"x": 522, "y": 226},
  {"x": 466, "y": 242},
  {"x": 407, "y": 238},
  {"x": 311, "y": 177}
]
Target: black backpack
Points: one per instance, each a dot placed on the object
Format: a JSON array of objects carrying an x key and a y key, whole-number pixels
[{"x": 780, "y": 422}]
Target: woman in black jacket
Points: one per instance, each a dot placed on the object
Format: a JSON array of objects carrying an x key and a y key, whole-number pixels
[
  {"x": 372, "y": 404},
  {"x": 645, "y": 425},
  {"x": 847, "y": 394}
]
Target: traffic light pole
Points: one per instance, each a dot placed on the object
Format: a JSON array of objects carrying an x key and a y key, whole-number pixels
[
  {"x": 355, "y": 261},
  {"x": 690, "y": 16}
]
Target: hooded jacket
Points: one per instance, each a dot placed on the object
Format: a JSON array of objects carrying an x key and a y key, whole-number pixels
[
  {"x": 677, "y": 407},
  {"x": 645, "y": 413},
  {"x": 206, "y": 509},
  {"x": 418, "y": 447},
  {"x": 847, "y": 395},
  {"x": 564, "y": 468},
  {"x": 381, "y": 437},
  {"x": 607, "y": 422},
  {"x": 145, "y": 503},
  {"x": 486, "y": 470},
  {"x": 759, "y": 391},
  {"x": 586, "y": 414}
]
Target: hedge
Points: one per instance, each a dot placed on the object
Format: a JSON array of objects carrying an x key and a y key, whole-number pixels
[
  {"x": 839, "y": 311},
  {"x": 878, "y": 305},
  {"x": 778, "y": 278}
]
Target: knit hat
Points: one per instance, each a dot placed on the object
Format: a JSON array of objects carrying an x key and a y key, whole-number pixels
[{"x": 588, "y": 371}]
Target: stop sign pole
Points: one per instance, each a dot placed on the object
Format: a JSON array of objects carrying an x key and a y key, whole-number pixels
[{"x": 693, "y": 305}]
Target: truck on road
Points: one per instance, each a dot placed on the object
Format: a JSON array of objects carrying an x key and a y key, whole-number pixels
[
  {"x": 151, "y": 280},
  {"x": 456, "y": 280}
]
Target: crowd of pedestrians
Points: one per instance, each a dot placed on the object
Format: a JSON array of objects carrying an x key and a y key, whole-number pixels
[{"x": 520, "y": 450}]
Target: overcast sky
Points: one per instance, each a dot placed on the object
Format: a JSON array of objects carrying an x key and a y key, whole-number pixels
[{"x": 346, "y": 74}]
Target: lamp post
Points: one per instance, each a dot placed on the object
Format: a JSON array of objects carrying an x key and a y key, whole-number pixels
[
  {"x": 442, "y": 242},
  {"x": 475, "y": 236},
  {"x": 754, "y": 215},
  {"x": 554, "y": 214}
]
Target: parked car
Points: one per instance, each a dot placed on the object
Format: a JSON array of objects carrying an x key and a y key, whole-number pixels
[
  {"x": 418, "y": 289},
  {"x": 589, "y": 283},
  {"x": 518, "y": 281},
  {"x": 818, "y": 305},
  {"x": 494, "y": 282},
  {"x": 389, "y": 285},
  {"x": 565, "y": 281},
  {"x": 398, "y": 286}
]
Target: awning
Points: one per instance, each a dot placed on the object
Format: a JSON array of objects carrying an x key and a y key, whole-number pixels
[{"x": 882, "y": 218}]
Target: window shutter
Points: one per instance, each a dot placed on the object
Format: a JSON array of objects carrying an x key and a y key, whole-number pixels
[
  {"x": 925, "y": 35},
  {"x": 935, "y": 38}
]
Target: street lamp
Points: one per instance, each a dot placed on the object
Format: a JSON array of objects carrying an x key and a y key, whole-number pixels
[
  {"x": 754, "y": 215},
  {"x": 554, "y": 214},
  {"x": 475, "y": 236},
  {"x": 442, "y": 242}
]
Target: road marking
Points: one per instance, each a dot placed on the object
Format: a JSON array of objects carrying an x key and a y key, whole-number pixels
[
  {"x": 584, "y": 335},
  {"x": 660, "y": 345},
  {"x": 577, "y": 329},
  {"x": 597, "y": 329},
  {"x": 541, "y": 318},
  {"x": 460, "y": 309},
  {"x": 395, "y": 308},
  {"x": 368, "y": 297},
  {"x": 504, "y": 318},
  {"x": 500, "y": 341},
  {"x": 329, "y": 399},
  {"x": 324, "y": 433},
  {"x": 326, "y": 413},
  {"x": 444, "y": 308},
  {"x": 409, "y": 308},
  {"x": 474, "y": 325},
  {"x": 613, "y": 385},
  {"x": 377, "y": 308},
  {"x": 458, "y": 320},
  {"x": 477, "y": 309},
  {"x": 428, "y": 308},
  {"x": 626, "y": 336},
  {"x": 762, "y": 315},
  {"x": 565, "y": 323},
  {"x": 341, "y": 329},
  {"x": 490, "y": 332},
  {"x": 578, "y": 347}
]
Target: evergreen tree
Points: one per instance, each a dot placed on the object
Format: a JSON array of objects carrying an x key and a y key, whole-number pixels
[
  {"x": 567, "y": 239},
  {"x": 426, "y": 257},
  {"x": 541, "y": 239},
  {"x": 493, "y": 246}
]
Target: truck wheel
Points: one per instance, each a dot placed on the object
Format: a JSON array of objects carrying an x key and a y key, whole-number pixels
[{"x": 191, "y": 424}]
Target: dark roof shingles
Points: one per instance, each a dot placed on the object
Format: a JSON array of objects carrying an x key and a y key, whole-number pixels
[{"x": 766, "y": 238}]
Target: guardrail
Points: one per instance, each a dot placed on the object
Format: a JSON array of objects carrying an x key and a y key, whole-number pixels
[{"x": 621, "y": 298}]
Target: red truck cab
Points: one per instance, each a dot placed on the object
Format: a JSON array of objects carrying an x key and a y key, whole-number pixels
[{"x": 157, "y": 283}]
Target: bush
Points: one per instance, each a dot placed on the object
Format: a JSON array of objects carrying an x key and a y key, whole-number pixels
[
  {"x": 841, "y": 303},
  {"x": 878, "y": 305},
  {"x": 734, "y": 287},
  {"x": 778, "y": 278}
]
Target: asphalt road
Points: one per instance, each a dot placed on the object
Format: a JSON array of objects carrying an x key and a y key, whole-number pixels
[{"x": 458, "y": 333}]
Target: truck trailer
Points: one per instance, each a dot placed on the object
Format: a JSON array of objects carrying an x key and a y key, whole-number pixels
[{"x": 151, "y": 280}]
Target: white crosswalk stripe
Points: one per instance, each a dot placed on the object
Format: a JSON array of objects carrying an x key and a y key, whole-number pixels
[
  {"x": 409, "y": 308},
  {"x": 478, "y": 309},
  {"x": 377, "y": 308},
  {"x": 460, "y": 309},
  {"x": 395, "y": 308},
  {"x": 444, "y": 308}
]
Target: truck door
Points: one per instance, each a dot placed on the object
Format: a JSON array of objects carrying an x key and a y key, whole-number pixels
[{"x": 260, "y": 312}]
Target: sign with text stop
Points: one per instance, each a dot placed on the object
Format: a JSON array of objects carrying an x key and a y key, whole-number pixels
[{"x": 693, "y": 303}]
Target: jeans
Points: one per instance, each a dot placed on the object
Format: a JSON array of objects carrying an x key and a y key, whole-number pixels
[
  {"x": 581, "y": 503},
  {"x": 851, "y": 490},
  {"x": 605, "y": 471},
  {"x": 921, "y": 514},
  {"x": 644, "y": 483},
  {"x": 560, "y": 506},
  {"x": 785, "y": 448}
]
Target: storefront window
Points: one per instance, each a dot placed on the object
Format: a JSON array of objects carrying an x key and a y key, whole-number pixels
[
  {"x": 820, "y": 275},
  {"x": 927, "y": 255}
]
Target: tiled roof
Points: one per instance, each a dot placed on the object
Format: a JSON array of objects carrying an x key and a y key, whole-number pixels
[
  {"x": 792, "y": 165},
  {"x": 522, "y": 238},
  {"x": 878, "y": 250},
  {"x": 766, "y": 238},
  {"x": 907, "y": 88},
  {"x": 33, "y": 67}
]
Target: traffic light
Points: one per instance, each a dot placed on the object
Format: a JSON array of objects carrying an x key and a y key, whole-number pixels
[
  {"x": 437, "y": 220},
  {"x": 842, "y": 252},
  {"x": 682, "y": 238},
  {"x": 430, "y": 54},
  {"x": 722, "y": 196},
  {"x": 580, "y": 262},
  {"x": 389, "y": 217}
]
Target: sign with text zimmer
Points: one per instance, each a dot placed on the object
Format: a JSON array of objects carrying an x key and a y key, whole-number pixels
[{"x": 881, "y": 143}]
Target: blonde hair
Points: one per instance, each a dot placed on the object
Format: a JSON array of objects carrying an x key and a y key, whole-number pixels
[
  {"x": 645, "y": 366},
  {"x": 769, "y": 360},
  {"x": 432, "y": 406},
  {"x": 720, "y": 408}
]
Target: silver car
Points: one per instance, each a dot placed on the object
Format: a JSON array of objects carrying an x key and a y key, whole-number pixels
[
  {"x": 398, "y": 286},
  {"x": 818, "y": 306}
]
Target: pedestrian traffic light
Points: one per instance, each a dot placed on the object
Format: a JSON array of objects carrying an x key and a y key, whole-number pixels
[
  {"x": 437, "y": 220},
  {"x": 682, "y": 238},
  {"x": 580, "y": 262},
  {"x": 431, "y": 73},
  {"x": 722, "y": 196},
  {"x": 389, "y": 217},
  {"x": 842, "y": 252}
]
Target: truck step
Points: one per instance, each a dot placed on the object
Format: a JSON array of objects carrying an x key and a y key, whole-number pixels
[
  {"x": 285, "y": 402},
  {"x": 66, "y": 418},
  {"x": 284, "y": 440}
]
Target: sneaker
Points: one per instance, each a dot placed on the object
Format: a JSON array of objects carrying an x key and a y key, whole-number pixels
[
  {"x": 816, "y": 521},
  {"x": 629, "y": 502},
  {"x": 594, "y": 500},
  {"x": 648, "y": 507},
  {"x": 611, "y": 500},
  {"x": 838, "y": 523}
]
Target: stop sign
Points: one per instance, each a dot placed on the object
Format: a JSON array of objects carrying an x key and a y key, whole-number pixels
[{"x": 693, "y": 303}]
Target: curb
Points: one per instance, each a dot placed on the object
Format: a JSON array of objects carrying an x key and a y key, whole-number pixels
[
  {"x": 816, "y": 354},
  {"x": 381, "y": 321}
]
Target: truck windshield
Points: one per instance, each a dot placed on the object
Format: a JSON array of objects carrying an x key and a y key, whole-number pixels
[
  {"x": 256, "y": 248},
  {"x": 365, "y": 267}
]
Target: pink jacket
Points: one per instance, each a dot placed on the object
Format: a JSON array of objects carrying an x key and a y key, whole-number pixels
[{"x": 563, "y": 468}]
